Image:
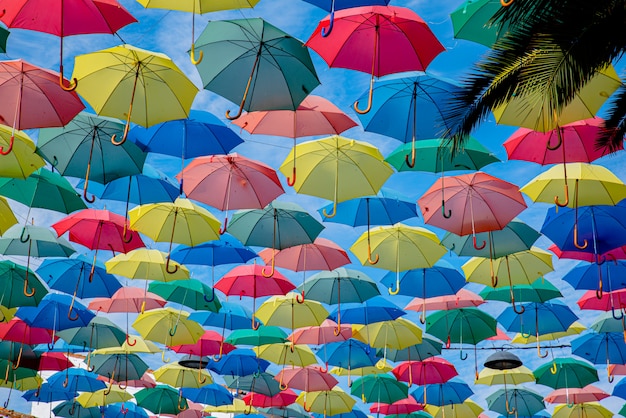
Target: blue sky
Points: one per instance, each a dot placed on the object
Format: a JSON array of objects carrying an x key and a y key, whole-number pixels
[{"x": 169, "y": 32}]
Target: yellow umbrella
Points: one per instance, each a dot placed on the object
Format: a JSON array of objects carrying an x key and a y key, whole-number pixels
[
  {"x": 516, "y": 376},
  {"x": 585, "y": 409},
  {"x": 145, "y": 264},
  {"x": 384, "y": 367},
  {"x": 286, "y": 353},
  {"x": 113, "y": 80},
  {"x": 168, "y": 326},
  {"x": 22, "y": 161},
  {"x": 7, "y": 313},
  {"x": 237, "y": 407},
  {"x": 397, "y": 334},
  {"x": 181, "y": 221},
  {"x": 180, "y": 376},
  {"x": 398, "y": 248},
  {"x": 7, "y": 218},
  {"x": 286, "y": 311},
  {"x": 574, "y": 329},
  {"x": 139, "y": 346},
  {"x": 103, "y": 397},
  {"x": 535, "y": 112},
  {"x": 200, "y": 7},
  {"x": 327, "y": 402},
  {"x": 467, "y": 409},
  {"x": 355, "y": 168}
]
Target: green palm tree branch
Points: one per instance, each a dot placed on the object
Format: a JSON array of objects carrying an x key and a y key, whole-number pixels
[{"x": 615, "y": 123}]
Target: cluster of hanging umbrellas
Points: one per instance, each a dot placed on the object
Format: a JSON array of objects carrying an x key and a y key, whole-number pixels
[{"x": 150, "y": 265}]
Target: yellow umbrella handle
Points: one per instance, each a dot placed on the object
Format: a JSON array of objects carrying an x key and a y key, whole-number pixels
[
  {"x": 371, "y": 92},
  {"x": 506, "y": 3},
  {"x": 73, "y": 83},
  {"x": 195, "y": 61},
  {"x": 292, "y": 180},
  {"x": 553, "y": 369}
]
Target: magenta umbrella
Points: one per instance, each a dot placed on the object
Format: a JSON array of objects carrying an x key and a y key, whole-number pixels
[{"x": 428, "y": 371}]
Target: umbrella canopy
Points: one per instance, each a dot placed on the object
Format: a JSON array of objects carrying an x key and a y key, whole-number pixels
[
  {"x": 585, "y": 409},
  {"x": 99, "y": 333},
  {"x": 262, "y": 382},
  {"x": 427, "y": 371},
  {"x": 162, "y": 399},
  {"x": 541, "y": 290},
  {"x": 438, "y": 280},
  {"x": 589, "y": 393},
  {"x": 570, "y": 373},
  {"x": 146, "y": 264},
  {"x": 128, "y": 299},
  {"x": 260, "y": 66},
  {"x": 398, "y": 333},
  {"x": 118, "y": 366},
  {"x": 56, "y": 312},
  {"x": 191, "y": 293},
  {"x": 332, "y": 402},
  {"x": 168, "y": 326},
  {"x": 523, "y": 401},
  {"x": 180, "y": 376},
  {"x": 381, "y": 388},
  {"x": 71, "y": 275},
  {"x": 538, "y": 318},
  {"x": 473, "y": 21},
  {"x": 452, "y": 392},
  {"x": 15, "y": 281},
  {"x": 286, "y": 311},
  {"x": 462, "y": 325},
  {"x": 255, "y": 337},
  {"x": 308, "y": 379}
]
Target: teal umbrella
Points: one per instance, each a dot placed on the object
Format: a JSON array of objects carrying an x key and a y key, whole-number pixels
[
  {"x": 541, "y": 290},
  {"x": 263, "y": 335},
  {"x": 119, "y": 366},
  {"x": 43, "y": 189},
  {"x": 191, "y": 293},
  {"x": 15, "y": 281},
  {"x": 279, "y": 225},
  {"x": 429, "y": 347},
  {"x": 380, "y": 388},
  {"x": 473, "y": 21},
  {"x": 516, "y": 401},
  {"x": 99, "y": 333},
  {"x": 263, "y": 383},
  {"x": 255, "y": 64},
  {"x": 566, "y": 372},
  {"x": 83, "y": 149},
  {"x": 72, "y": 409},
  {"x": 161, "y": 399},
  {"x": 607, "y": 322}
]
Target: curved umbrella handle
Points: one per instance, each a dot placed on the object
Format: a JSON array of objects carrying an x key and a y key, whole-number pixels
[
  {"x": 282, "y": 386},
  {"x": 333, "y": 213},
  {"x": 172, "y": 330},
  {"x": 331, "y": 21},
  {"x": 8, "y": 150},
  {"x": 445, "y": 214},
  {"x": 558, "y": 143},
  {"x": 410, "y": 163},
  {"x": 463, "y": 358},
  {"x": 539, "y": 353},
  {"x": 325, "y": 369},
  {"x": 300, "y": 300},
  {"x": 128, "y": 341},
  {"x": 167, "y": 266},
  {"x": 506, "y": 3},
  {"x": 292, "y": 180},
  {"x": 163, "y": 359},
  {"x": 126, "y": 238},
  {"x": 201, "y": 379},
  {"x": 566, "y": 192},
  {"x": 24, "y": 239},
  {"x": 476, "y": 247},
  {"x": 576, "y": 244},
  {"x": 553, "y": 369},
  {"x": 114, "y": 141},
  {"x": 73, "y": 83},
  {"x": 370, "y": 97},
  {"x": 395, "y": 292},
  {"x": 122, "y": 386},
  {"x": 369, "y": 255},
  {"x": 181, "y": 407},
  {"x": 222, "y": 230},
  {"x": 19, "y": 358},
  {"x": 609, "y": 376},
  {"x": 255, "y": 324},
  {"x": 32, "y": 291},
  {"x": 523, "y": 308},
  {"x": 618, "y": 318},
  {"x": 245, "y": 93},
  {"x": 69, "y": 313},
  {"x": 273, "y": 268},
  {"x": 192, "y": 56},
  {"x": 506, "y": 399},
  {"x": 212, "y": 298}
]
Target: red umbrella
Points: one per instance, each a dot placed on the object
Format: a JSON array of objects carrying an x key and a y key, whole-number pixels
[
  {"x": 314, "y": 116},
  {"x": 377, "y": 40},
  {"x": 473, "y": 203},
  {"x": 321, "y": 334},
  {"x": 403, "y": 406},
  {"x": 609, "y": 300},
  {"x": 211, "y": 343},
  {"x": 589, "y": 393},
  {"x": 230, "y": 182},
  {"x": 428, "y": 371},
  {"x": 281, "y": 399},
  {"x": 54, "y": 361},
  {"x": 618, "y": 253},
  {"x": 308, "y": 379},
  {"x": 65, "y": 18},
  {"x": 32, "y": 98},
  {"x": 17, "y": 330},
  {"x": 321, "y": 254},
  {"x": 248, "y": 280}
]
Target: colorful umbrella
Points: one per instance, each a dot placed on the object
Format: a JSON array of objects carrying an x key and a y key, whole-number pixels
[
  {"x": 340, "y": 5},
  {"x": 191, "y": 293},
  {"x": 307, "y": 378},
  {"x": 438, "y": 280},
  {"x": 467, "y": 409},
  {"x": 356, "y": 169},
  {"x": 403, "y": 406},
  {"x": 260, "y": 66},
  {"x": 585, "y": 409},
  {"x": 151, "y": 81},
  {"x": 329, "y": 402},
  {"x": 162, "y": 399},
  {"x": 230, "y": 182},
  {"x": 372, "y": 39},
  {"x": 589, "y": 393},
  {"x": 566, "y": 373},
  {"x": 454, "y": 391},
  {"x": 321, "y": 334},
  {"x": 599, "y": 348},
  {"x": 146, "y": 264},
  {"x": 255, "y": 337},
  {"x": 23, "y": 161},
  {"x": 286, "y": 311},
  {"x": 424, "y": 372},
  {"x": 15, "y": 280},
  {"x": 381, "y": 388},
  {"x": 261, "y": 382},
  {"x": 168, "y": 326},
  {"x": 541, "y": 290},
  {"x": 524, "y": 402},
  {"x": 473, "y": 21},
  {"x": 177, "y": 375}
]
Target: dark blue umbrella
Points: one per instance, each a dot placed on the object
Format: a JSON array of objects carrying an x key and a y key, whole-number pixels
[
  {"x": 440, "y": 280},
  {"x": 349, "y": 354},
  {"x": 376, "y": 309},
  {"x": 239, "y": 362},
  {"x": 75, "y": 379},
  {"x": 56, "y": 312},
  {"x": 230, "y": 316},
  {"x": 332, "y": 5},
  {"x": 71, "y": 276},
  {"x": 47, "y": 393},
  {"x": 440, "y": 394},
  {"x": 590, "y": 229},
  {"x": 124, "y": 409},
  {"x": 212, "y": 394}
]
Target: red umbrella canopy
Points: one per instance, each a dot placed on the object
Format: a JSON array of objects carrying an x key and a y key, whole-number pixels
[
  {"x": 248, "y": 280},
  {"x": 211, "y": 343},
  {"x": 321, "y": 334},
  {"x": 281, "y": 399},
  {"x": 428, "y": 371},
  {"x": 403, "y": 406},
  {"x": 471, "y": 203},
  {"x": 314, "y": 116},
  {"x": 309, "y": 378},
  {"x": 321, "y": 254},
  {"x": 99, "y": 229},
  {"x": 589, "y": 393},
  {"x": 19, "y": 331}
]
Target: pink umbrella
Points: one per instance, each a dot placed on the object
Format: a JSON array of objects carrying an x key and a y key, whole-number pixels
[
  {"x": 462, "y": 299},
  {"x": 589, "y": 393},
  {"x": 230, "y": 182},
  {"x": 321, "y": 254},
  {"x": 428, "y": 371},
  {"x": 500, "y": 336},
  {"x": 314, "y": 116},
  {"x": 403, "y": 406},
  {"x": 211, "y": 343},
  {"x": 322, "y": 334},
  {"x": 33, "y": 98},
  {"x": 308, "y": 379},
  {"x": 128, "y": 299},
  {"x": 281, "y": 399},
  {"x": 618, "y": 253}
]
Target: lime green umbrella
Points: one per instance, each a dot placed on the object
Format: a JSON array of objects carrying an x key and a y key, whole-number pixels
[
  {"x": 161, "y": 399},
  {"x": 381, "y": 388},
  {"x": 264, "y": 334},
  {"x": 192, "y": 293},
  {"x": 541, "y": 290},
  {"x": 566, "y": 372}
]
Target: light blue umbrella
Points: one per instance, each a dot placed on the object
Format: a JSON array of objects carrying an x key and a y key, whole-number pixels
[
  {"x": 76, "y": 379},
  {"x": 230, "y": 316},
  {"x": 439, "y": 280},
  {"x": 376, "y": 309},
  {"x": 538, "y": 318},
  {"x": 239, "y": 362},
  {"x": 47, "y": 393},
  {"x": 601, "y": 348},
  {"x": 212, "y": 394},
  {"x": 124, "y": 409},
  {"x": 440, "y": 394},
  {"x": 56, "y": 312}
]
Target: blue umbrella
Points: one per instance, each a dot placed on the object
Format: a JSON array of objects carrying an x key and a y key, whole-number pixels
[
  {"x": 72, "y": 409},
  {"x": 376, "y": 309},
  {"x": 200, "y": 134},
  {"x": 212, "y": 394},
  {"x": 263, "y": 383},
  {"x": 521, "y": 402},
  {"x": 239, "y": 362},
  {"x": 125, "y": 409},
  {"x": 600, "y": 348},
  {"x": 355, "y": 413},
  {"x": 593, "y": 276},
  {"x": 332, "y": 5},
  {"x": 71, "y": 275},
  {"x": 409, "y": 107},
  {"x": 349, "y": 354},
  {"x": 151, "y": 186},
  {"x": 619, "y": 389},
  {"x": 440, "y": 394},
  {"x": 56, "y": 312},
  {"x": 538, "y": 318},
  {"x": 47, "y": 393},
  {"x": 439, "y": 280},
  {"x": 230, "y": 316},
  {"x": 75, "y": 379},
  {"x": 590, "y": 229}
]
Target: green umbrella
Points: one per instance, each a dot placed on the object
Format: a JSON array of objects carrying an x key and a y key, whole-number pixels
[
  {"x": 119, "y": 366},
  {"x": 541, "y": 290},
  {"x": 429, "y": 347},
  {"x": 433, "y": 156},
  {"x": 43, "y": 189},
  {"x": 566, "y": 372},
  {"x": 261, "y": 336},
  {"x": 99, "y": 333},
  {"x": 161, "y": 399},
  {"x": 4, "y": 34},
  {"x": 255, "y": 64},
  {"x": 279, "y": 225},
  {"x": 14, "y": 283},
  {"x": 516, "y": 401},
  {"x": 381, "y": 388},
  {"x": 83, "y": 149},
  {"x": 472, "y": 21},
  {"x": 191, "y": 293},
  {"x": 72, "y": 409},
  {"x": 607, "y": 322}
]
